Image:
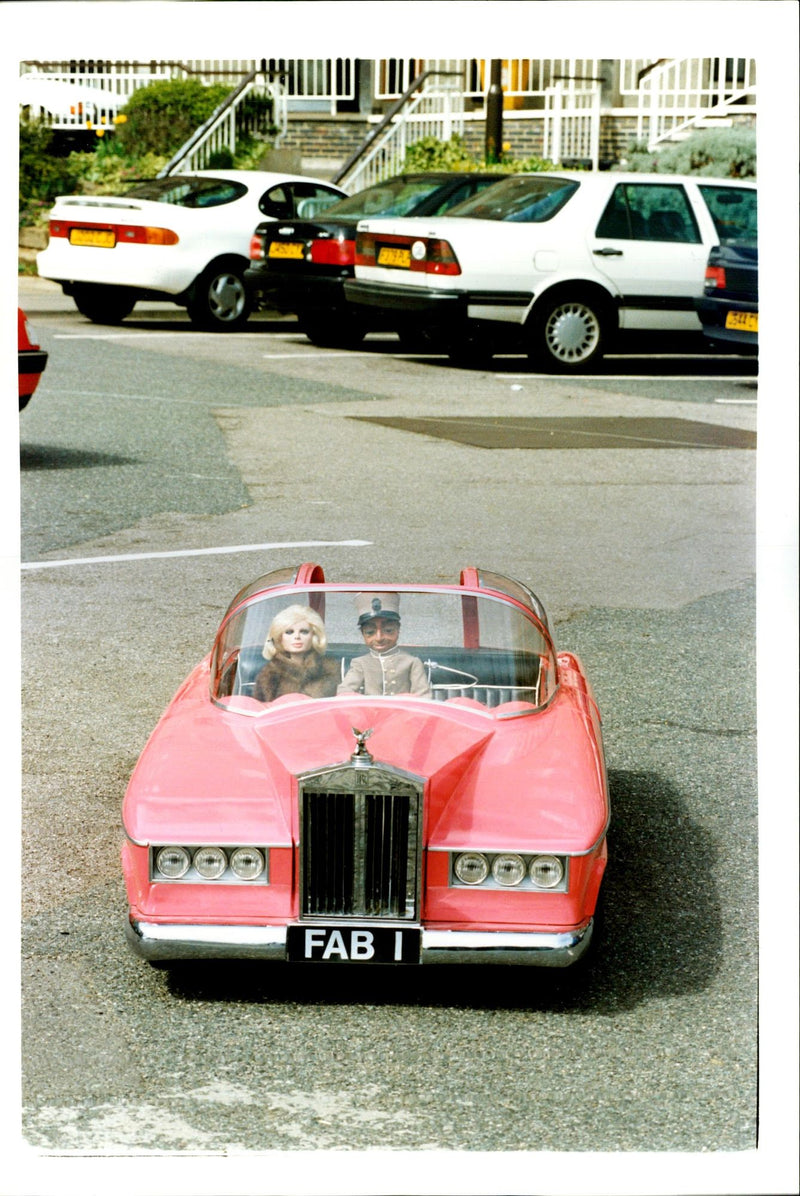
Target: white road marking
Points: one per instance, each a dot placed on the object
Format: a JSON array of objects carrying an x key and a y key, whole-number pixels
[
  {"x": 222, "y": 551},
  {"x": 142, "y": 332},
  {"x": 662, "y": 378}
]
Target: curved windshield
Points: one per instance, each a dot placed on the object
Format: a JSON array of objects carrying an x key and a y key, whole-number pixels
[
  {"x": 526, "y": 198},
  {"x": 189, "y": 192},
  {"x": 319, "y": 642}
]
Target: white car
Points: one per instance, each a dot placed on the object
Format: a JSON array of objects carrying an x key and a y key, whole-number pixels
[
  {"x": 184, "y": 238},
  {"x": 557, "y": 262}
]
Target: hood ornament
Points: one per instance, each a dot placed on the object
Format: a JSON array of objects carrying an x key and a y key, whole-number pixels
[{"x": 361, "y": 755}]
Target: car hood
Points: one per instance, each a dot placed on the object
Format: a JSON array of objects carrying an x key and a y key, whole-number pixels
[{"x": 531, "y": 782}]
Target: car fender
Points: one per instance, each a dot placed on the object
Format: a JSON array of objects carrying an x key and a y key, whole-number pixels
[
  {"x": 561, "y": 286},
  {"x": 224, "y": 261}
]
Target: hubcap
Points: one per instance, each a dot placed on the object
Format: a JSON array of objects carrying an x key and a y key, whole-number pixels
[
  {"x": 226, "y": 297},
  {"x": 572, "y": 332}
]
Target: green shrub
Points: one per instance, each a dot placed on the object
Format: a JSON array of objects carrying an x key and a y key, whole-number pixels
[
  {"x": 42, "y": 174},
  {"x": 160, "y": 117},
  {"x": 429, "y": 153},
  {"x": 724, "y": 153}
]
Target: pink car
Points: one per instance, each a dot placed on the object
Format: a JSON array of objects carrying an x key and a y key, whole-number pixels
[{"x": 385, "y": 774}]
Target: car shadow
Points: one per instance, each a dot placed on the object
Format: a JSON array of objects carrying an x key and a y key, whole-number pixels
[
  {"x": 661, "y": 934},
  {"x": 52, "y": 456}
]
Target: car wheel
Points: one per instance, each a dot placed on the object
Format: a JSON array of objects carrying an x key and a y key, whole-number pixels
[
  {"x": 219, "y": 300},
  {"x": 103, "y": 305},
  {"x": 569, "y": 334},
  {"x": 333, "y": 332}
]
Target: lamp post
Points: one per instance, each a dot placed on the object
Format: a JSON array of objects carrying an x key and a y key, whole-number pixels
[{"x": 494, "y": 113}]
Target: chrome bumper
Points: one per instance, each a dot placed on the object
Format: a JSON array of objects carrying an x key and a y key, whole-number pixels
[{"x": 156, "y": 942}]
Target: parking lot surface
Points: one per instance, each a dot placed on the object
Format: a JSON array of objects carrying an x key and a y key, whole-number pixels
[{"x": 162, "y": 469}]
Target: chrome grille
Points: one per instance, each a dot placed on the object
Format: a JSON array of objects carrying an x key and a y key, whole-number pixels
[{"x": 359, "y": 845}]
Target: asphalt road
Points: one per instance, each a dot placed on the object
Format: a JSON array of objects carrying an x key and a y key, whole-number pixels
[{"x": 173, "y": 453}]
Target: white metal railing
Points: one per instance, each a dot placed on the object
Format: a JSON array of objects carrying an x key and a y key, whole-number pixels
[
  {"x": 682, "y": 91},
  {"x": 521, "y": 77},
  {"x": 572, "y": 125},
  {"x": 436, "y": 113},
  {"x": 220, "y": 130},
  {"x": 320, "y": 79}
]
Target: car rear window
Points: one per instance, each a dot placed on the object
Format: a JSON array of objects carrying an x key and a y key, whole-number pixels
[
  {"x": 395, "y": 197},
  {"x": 734, "y": 211},
  {"x": 525, "y": 199},
  {"x": 186, "y": 192}
]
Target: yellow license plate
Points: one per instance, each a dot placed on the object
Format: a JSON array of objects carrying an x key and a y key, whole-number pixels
[
  {"x": 388, "y": 255},
  {"x": 745, "y": 321},
  {"x": 104, "y": 238},
  {"x": 286, "y": 249}
]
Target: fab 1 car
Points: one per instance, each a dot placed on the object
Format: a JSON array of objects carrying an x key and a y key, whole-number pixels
[{"x": 388, "y": 774}]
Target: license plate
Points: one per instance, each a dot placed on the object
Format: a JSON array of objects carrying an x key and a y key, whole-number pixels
[
  {"x": 745, "y": 321},
  {"x": 353, "y": 944},
  {"x": 388, "y": 255},
  {"x": 103, "y": 238},
  {"x": 286, "y": 249}
]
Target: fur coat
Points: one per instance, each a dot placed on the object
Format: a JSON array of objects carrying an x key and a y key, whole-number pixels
[{"x": 308, "y": 673}]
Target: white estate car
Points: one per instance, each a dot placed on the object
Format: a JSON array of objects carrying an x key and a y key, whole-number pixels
[
  {"x": 555, "y": 261},
  {"x": 184, "y": 238}
]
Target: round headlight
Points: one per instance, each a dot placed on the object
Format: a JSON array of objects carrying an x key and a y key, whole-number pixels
[
  {"x": 210, "y": 862},
  {"x": 471, "y": 868},
  {"x": 247, "y": 863},
  {"x": 173, "y": 862},
  {"x": 546, "y": 871},
  {"x": 508, "y": 869},
  {"x": 418, "y": 251}
]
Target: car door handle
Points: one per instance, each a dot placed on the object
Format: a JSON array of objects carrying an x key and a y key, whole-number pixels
[{"x": 608, "y": 252}]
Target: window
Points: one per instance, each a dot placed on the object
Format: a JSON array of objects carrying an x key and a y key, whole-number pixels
[
  {"x": 649, "y": 212},
  {"x": 189, "y": 192},
  {"x": 734, "y": 211},
  {"x": 524, "y": 199}
]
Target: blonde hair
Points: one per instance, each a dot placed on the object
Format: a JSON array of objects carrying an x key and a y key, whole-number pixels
[{"x": 284, "y": 620}]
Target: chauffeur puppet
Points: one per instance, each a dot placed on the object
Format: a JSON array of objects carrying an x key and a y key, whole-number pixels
[{"x": 387, "y": 669}]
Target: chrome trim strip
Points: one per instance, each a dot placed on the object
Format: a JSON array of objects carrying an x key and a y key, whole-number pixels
[
  {"x": 527, "y": 850},
  {"x": 537, "y": 949},
  {"x": 156, "y": 942}
]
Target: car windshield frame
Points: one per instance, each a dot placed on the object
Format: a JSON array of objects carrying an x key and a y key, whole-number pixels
[
  {"x": 189, "y": 191},
  {"x": 522, "y": 199},
  {"x": 481, "y": 648}
]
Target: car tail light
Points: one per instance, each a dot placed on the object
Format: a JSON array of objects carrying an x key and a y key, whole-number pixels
[
  {"x": 440, "y": 258},
  {"x": 422, "y": 255},
  {"x": 147, "y": 235},
  {"x": 257, "y": 248},
  {"x": 333, "y": 251},
  {"x": 715, "y": 278},
  {"x": 365, "y": 249},
  {"x": 129, "y": 234}
]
